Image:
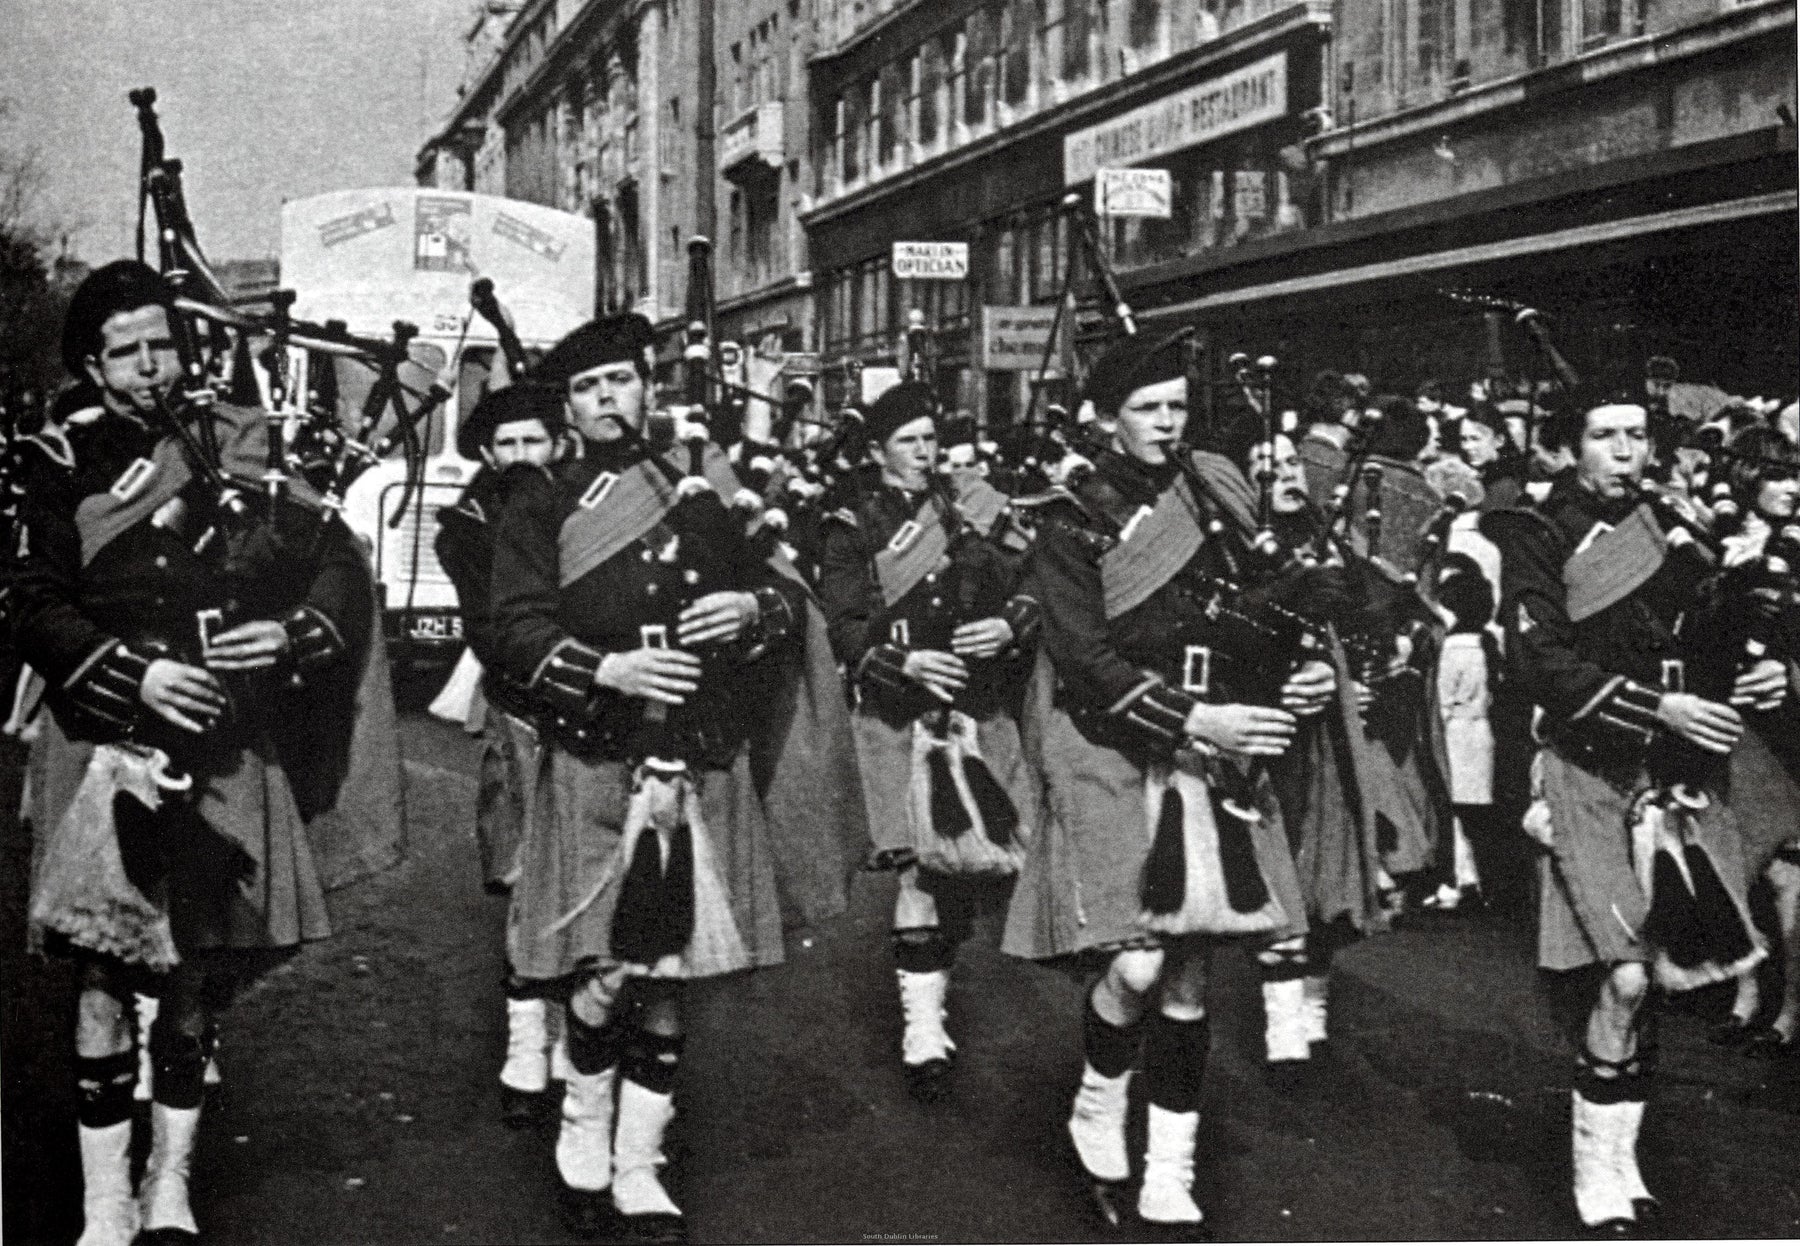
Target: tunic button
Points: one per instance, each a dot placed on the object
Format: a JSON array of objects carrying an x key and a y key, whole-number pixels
[
  {"x": 650, "y": 589},
  {"x": 162, "y": 562},
  {"x": 931, "y": 577},
  {"x": 647, "y": 555},
  {"x": 937, "y": 601},
  {"x": 690, "y": 576}
]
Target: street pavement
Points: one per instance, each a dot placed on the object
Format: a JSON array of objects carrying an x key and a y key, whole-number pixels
[{"x": 360, "y": 1101}]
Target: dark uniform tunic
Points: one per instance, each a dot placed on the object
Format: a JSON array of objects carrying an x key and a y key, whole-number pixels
[
  {"x": 1105, "y": 716},
  {"x": 509, "y": 755},
  {"x": 1765, "y": 767},
  {"x": 1597, "y": 681},
  {"x": 974, "y": 580},
  {"x": 551, "y": 635},
  {"x": 108, "y": 582}
]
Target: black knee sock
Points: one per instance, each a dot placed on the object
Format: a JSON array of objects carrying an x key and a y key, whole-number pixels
[
  {"x": 1175, "y": 1062},
  {"x": 652, "y": 1060},
  {"x": 922, "y": 949},
  {"x": 1111, "y": 1049},
  {"x": 103, "y": 1086},
  {"x": 178, "y": 1065},
  {"x": 593, "y": 1048},
  {"x": 1599, "y": 1080}
]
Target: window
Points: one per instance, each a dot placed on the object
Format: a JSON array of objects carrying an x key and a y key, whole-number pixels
[
  {"x": 1015, "y": 52},
  {"x": 1143, "y": 21},
  {"x": 1605, "y": 20},
  {"x": 979, "y": 60},
  {"x": 933, "y": 88},
  {"x": 852, "y": 112},
  {"x": 1077, "y": 26},
  {"x": 891, "y": 96}
]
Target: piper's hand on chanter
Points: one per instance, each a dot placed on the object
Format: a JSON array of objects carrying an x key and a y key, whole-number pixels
[
  {"x": 717, "y": 618},
  {"x": 665, "y": 675},
  {"x": 188, "y": 696},
  {"x": 941, "y": 674},
  {"x": 1763, "y": 686},
  {"x": 248, "y": 646},
  {"x": 1714, "y": 727},
  {"x": 1253, "y": 730},
  {"x": 1309, "y": 689},
  {"x": 984, "y": 638}
]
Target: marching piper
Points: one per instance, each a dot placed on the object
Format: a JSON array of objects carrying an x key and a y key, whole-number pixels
[
  {"x": 1163, "y": 690},
  {"x": 697, "y": 780},
  {"x": 1759, "y": 601},
  {"x": 1323, "y": 781},
  {"x": 1643, "y": 878},
  {"x": 520, "y": 424},
  {"x": 917, "y": 580},
  {"x": 214, "y": 689}
]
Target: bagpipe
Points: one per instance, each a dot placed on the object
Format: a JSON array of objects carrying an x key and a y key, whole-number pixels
[{"x": 305, "y": 442}]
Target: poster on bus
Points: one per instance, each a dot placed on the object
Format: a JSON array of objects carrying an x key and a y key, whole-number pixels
[{"x": 442, "y": 233}]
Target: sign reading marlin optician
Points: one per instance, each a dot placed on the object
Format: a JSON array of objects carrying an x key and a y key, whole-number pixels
[
  {"x": 1247, "y": 96},
  {"x": 931, "y": 261}
]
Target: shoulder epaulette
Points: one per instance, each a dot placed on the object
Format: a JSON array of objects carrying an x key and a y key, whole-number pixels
[{"x": 843, "y": 515}]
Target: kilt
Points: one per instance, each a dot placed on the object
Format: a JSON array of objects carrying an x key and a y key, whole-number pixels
[
  {"x": 510, "y": 756},
  {"x": 573, "y": 865},
  {"x": 1334, "y": 858},
  {"x": 1081, "y": 887},
  {"x": 884, "y": 759},
  {"x": 230, "y": 861},
  {"x": 1765, "y": 797},
  {"x": 1593, "y": 909}
]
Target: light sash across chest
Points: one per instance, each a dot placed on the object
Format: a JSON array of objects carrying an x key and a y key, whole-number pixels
[
  {"x": 922, "y": 543},
  {"x": 1612, "y": 565},
  {"x": 613, "y": 515},
  {"x": 1157, "y": 543},
  {"x": 139, "y": 493}
]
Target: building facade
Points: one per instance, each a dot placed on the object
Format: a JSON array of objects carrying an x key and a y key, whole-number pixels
[
  {"x": 661, "y": 120},
  {"x": 1625, "y": 166},
  {"x": 972, "y": 121},
  {"x": 1360, "y": 184}
]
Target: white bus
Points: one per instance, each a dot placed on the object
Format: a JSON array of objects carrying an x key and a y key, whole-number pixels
[{"x": 371, "y": 257}]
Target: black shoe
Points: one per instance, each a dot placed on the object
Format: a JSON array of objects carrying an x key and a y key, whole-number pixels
[
  {"x": 168, "y": 1236},
  {"x": 1768, "y": 1044},
  {"x": 520, "y": 1108},
  {"x": 1180, "y": 1231},
  {"x": 655, "y": 1226},
  {"x": 1287, "y": 1077},
  {"x": 1731, "y": 1032},
  {"x": 588, "y": 1213},
  {"x": 1109, "y": 1199},
  {"x": 1649, "y": 1211},
  {"x": 928, "y": 1082},
  {"x": 1618, "y": 1229}
]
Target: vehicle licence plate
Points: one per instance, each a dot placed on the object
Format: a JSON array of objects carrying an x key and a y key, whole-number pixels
[{"x": 435, "y": 627}]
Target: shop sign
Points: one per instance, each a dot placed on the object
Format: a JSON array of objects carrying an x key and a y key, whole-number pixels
[
  {"x": 1252, "y": 195},
  {"x": 1013, "y": 339},
  {"x": 931, "y": 261},
  {"x": 1134, "y": 192},
  {"x": 876, "y": 382},
  {"x": 1247, "y": 96}
]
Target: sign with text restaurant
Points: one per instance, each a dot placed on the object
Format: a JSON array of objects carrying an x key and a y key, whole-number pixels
[
  {"x": 1247, "y": 96},
  {"x": 931, "y": 261}
]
